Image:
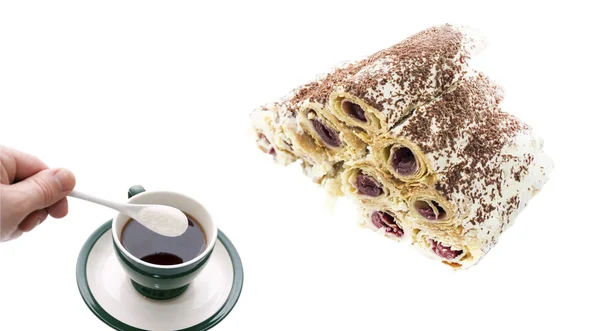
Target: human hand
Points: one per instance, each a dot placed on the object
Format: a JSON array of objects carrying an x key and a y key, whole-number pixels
[{"x": 29, "y": 192}]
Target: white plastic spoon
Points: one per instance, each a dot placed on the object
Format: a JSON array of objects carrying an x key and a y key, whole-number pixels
[{"x": 164, "y": 220}]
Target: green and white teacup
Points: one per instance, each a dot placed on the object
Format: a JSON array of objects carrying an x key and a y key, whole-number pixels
[{"x": 162, "y": 282}]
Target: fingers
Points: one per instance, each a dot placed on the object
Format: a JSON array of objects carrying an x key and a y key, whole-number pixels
[
  {"x": 59, "y": 209},
  {"x": 30, "y": 192},
  {"x": 32, "y": 220},
  {"x": 20, "y": 165},
  {"x": 44, "y": 189},
  {"x": 13, "y": 235}
]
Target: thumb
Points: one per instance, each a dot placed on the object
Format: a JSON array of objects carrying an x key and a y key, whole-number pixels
[{"x": 44, "y": 189}]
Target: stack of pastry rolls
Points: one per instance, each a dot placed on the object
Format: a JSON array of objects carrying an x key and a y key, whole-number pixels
[{"x": 418, "y": 140}]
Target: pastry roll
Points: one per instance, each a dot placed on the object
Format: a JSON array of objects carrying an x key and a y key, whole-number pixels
[
  {"x": 451, "y": 250},
  {"x": 392, "y": 82},
  {"x": 305, "y": 125},
  {"x": 332, "y": 136},
  {"x": 268, "y": 136},
  {"x": 418, "y": 140},
  {"x": 276, "y": 131},
  {"x": 314, "y": 116},
  {"x": 402, "y": 159},
  {"x": 385, "y": 222},
  {"x": 408, "y": 157},
  {"x": 364, "y": 182},
  {"x": 490, "y": 206},
  {"x": 485, "y": 165}
]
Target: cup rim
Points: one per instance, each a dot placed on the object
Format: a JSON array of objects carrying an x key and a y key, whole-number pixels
[{"x": 209, "y": 247}]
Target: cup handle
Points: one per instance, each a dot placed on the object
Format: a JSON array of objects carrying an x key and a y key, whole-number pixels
[{"x": 136, "y": 189}]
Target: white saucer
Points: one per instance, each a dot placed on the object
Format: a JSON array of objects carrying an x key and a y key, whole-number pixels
[{"x": 108, "y": 292}]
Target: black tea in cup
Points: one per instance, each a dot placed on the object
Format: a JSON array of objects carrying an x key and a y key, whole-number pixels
[{"x": 154, "y": 248}]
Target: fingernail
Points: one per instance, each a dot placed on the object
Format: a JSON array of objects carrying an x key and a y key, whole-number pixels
[{"x": 65, "y": 179}]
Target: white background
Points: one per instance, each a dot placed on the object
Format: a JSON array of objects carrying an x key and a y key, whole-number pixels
[{"x": 158, "y": 93}]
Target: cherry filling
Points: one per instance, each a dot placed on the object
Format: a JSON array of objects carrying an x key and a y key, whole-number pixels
[
  {"x": 404, "y": 161},
  {"x": 445, "y": 252},
  {"x": 426, "y": 210},
  {"x": 353, "y": 110},
  {"x": 367, "y": 185},
  {"x": 265, "y": 144},
  {"x": 327, "y": 134},
  {"x": 384, "y": 220}
]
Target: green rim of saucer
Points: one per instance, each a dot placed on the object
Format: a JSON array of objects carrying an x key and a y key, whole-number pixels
[{"x": 86, "y": 294}]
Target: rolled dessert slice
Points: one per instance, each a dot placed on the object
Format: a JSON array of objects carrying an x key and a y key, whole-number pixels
[
  {"x": 307, "y": 150},
  {"x": 268, "y": 136},
  {"x": 314, "y": 116},
  {"x": 398, "y": 79},
  {"x": 332, "y": 136},
  {"x": 487, "y": 165},
  {"x": 319, "y": 137},
  {"x": 408, "y": 153},
  {"x": 488, "y": 208},
  {"x": 276, "y": 125},
  {"x": 402, "y": 159},
  {"x": 275, "y": 122},
  {"x": 362, "y": 181},
  {"x": 384, "y": 222},
  {"x": 453, "y": 251},
  {"x": 429, "y": 209},
  {"x": 436, "y": 132}
]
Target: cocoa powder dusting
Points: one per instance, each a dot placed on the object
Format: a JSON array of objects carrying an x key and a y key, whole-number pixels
[
  {"x": 468, "y": 125},
  {"x": 408, "y": 65},
  {"x": 407, "y": 69}
]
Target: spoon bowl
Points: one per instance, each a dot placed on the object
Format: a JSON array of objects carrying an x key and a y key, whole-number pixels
[{"x": 164, "y": 220}]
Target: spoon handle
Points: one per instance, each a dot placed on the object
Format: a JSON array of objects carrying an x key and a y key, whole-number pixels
[{"x": 110, "y": 204}]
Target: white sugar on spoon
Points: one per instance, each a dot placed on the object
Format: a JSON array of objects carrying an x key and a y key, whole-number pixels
[{"x": 164, "y": 220}]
